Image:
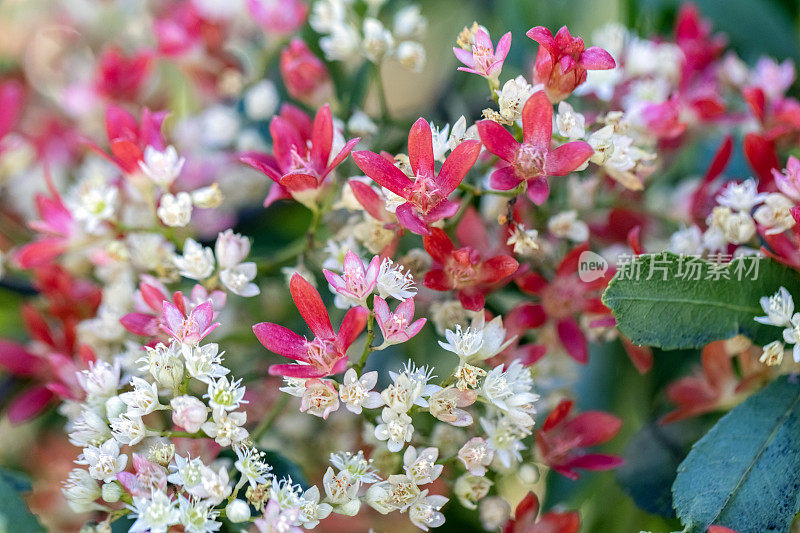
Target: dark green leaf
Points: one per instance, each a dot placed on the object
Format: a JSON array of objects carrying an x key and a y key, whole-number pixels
[
  {"x": 743, "y": 473},
  {"x": 285, "y": 467},
  {"x": 671, "y": 312},
  {"x": 14, "y": 514}
]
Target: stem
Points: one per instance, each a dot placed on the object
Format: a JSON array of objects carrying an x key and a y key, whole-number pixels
[
  {"x": 385, "y": 115},
  {"x": 358, "y": 367},
  {"x": 273, "y": 414},
  {"x": 169, "y": 433}
]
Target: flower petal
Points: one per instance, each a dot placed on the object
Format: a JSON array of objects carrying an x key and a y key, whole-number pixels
[
  {"x": 420, "y": 148},
  {"x": 281, "y": 340},
  {"x": 537, "y": 121},
  {"x": 311, "y": 307},
  {"x": 498, "y": 140}
]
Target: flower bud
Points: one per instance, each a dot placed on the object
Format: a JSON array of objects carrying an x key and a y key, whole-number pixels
[
  {"x": 111, "y": 492},
  {"x": 207, "y": 197},
  {"x": 188, "y": 413},
  {"x": 175, "y": 211},
  {"x": 237, "y": 511},
  {"x": 471, "y": 489},
  {"x": 231, "y": 249},
  {"x": 411, "y": 55},
  {"x": 304, "y": 75}
]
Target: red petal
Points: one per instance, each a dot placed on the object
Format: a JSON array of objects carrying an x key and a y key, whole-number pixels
[
  {"x": 591, "y": 428},
  {"x": 281, "y": 340},
  {"x": 558, "y": 414},
  {"x": 596, "y": 461},
  {"x": 569, "y": 265},
  {"x": 498, "y": 140},
  {"x": 505, "y": 179},
  {"x": 420, "y": 148},
  {"x": 538, "y": 190},
  {"x": 17, "y": 360},
  {"x": 457, "y": 164},
  {"x": 537, "y": 121},
  {"x": 295, "y": 371},
  {"x": 497, "y": 268},
  {"x": 311, "y": 307},
  {"x": 472, "y": 299},
  {"x": 438, "y": 245},
  {"x": 526, "y": 316},
  {"x": 341, "y": 156},
  {"x": 437, "y": 280},
  {"x": 28, "y": 404},
  {"x": 531, "y": 283},
  {"x": 409, "y": 219},
  {"x": 571, "y": 336},
  {"x": 383, "y": 172},
  {"x": 353, "y": 324},
  {"x": 368, "y": 199},
  {"x": 567, "y": 158},
  {"x": 558, "y": 523},
  {"x": 322, "y": 139},
  {"x": 595, "y": 58}
]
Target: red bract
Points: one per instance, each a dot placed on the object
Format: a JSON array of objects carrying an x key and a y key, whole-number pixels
[
  {"x": 525, "y": 521},
  {"x": 562, "y": 61},
  {"x": 564, "y": 297},
  {"x": 127, "y": 139},
  {"x": 121, "y": 77},
  {"x": 305, "y": 76},
  {"x": 179, "y": 29},
  {"x": 425, "y": 195},
  {"x": 693, "y": 36},
  {"x": 55, "y": 228},
  {"x": 278, "y": 17},
  {"x": 302, "y": 159},
  {"x": 464, "y": 270},
  {"x": 532, "y": 160},
  {"x": 326, "y": 353},
  {"x": 562, "y": 438},
  {"x": 716, "y": 385}
]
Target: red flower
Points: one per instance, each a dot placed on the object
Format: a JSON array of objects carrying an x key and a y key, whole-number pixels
[
  {"x": 562, "y": 61},
  {"x": 532, "y": 160},
  {"x": 302, "y": 158},
  {"x": 716, "y": 385},
  {"x": 56, "y": 228},
  {"x": 425, "y": 195},
  {"x": 305, "y": 76},
  {"x": 693, "y": 36},
  {"x": 560, "y": 441},
  {"x": 464, "y": 270},
  {"x": 525, "y": 521},
  {"x": 127, "y": 139},
  {"x": 120, "y": 77},
  {"x": 326, "y": 354},
  {"x": 564, "y": 297}
]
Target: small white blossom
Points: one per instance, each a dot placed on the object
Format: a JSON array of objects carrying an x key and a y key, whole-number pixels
[
  {"x": 100, "y": 380},
  {"x": 779, "y": 308},
  {"x": 143, "y": 399},
  {"x": 250, "y": 462},
  {"x": 204, "y": 363},
  {"x": 395, "y": 281},
  {"x": 175, "y": 210},
  {"x": 224, "y": 394},
  {"x": 81, "y": 490},
  {"x": 162, "y": 166},
  {"x": 569, "y": 123},
  {"x": 512, "y": 98},
  {"x": 238, "y": 279},
  {"x": 198, "y": 516},
  {"x": 772, "y": 354},
  {"x": 567, "y": 226},
  {"x": 197, "y": 261},
  {"x": 421, "y": 466},
  {"x": 741, "y": 196},
  {"x": 104, "y": 461},
  {"x": 226, "y": 428},
  {"x": 395, "y": 428},
  {"x": 357, "y": 393},
  {"x": 130, "y": 429},
  {"x": 463, "y": 342},
  {"x": 510, "y": 390},
  {"x": 189, "y": 413},
  {"x": 424, "y": 511},
  {"x": 524, "y": 241},
  {"x": 360, "y": 468},
  {"x": 476, "y": 455},
  {"x": 155, "y": 514},
  {"x": 311, "y": 511}
]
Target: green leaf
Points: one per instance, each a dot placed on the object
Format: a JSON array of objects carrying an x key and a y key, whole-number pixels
[
  {"x": 671, "y": 312},
  {"x": 282, "y": 466},
  {"x": 743, "y": 473},
  {"x": 14, "y": 514}
]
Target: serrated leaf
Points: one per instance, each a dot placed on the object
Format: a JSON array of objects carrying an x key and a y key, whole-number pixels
[
  {"x": 743, "y": 473},
  {"x": 672, "y": 309}
]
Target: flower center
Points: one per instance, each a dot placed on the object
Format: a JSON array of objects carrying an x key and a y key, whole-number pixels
[
  {"x": 562, "y": 298},
  {"x": 425, "y": 194},
  {"x": 529, "y": 161}
]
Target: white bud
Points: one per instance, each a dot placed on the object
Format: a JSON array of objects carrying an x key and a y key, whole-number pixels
[
  {"x": 207, "y": 197},
  {"x": 231, "y": 248},
  {"x": 111, "y": 492},
  {"x": 175, "y": 211},
  {"x": 188, "y": 413},
  {"x": 237, "y": 511},
  {"x": 411, "y": 55}
]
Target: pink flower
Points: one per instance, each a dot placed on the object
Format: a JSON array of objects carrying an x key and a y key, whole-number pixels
[
  {"x": 128, "y": 140},
  {"x": 476, "y": 455},
  {"x": 302, "y": 159},
  {"x": 532, "y": 160},
  {"x": 788, "y": 181},
  {"x": 11, "y": 98},
  {"x": 426, "y": 196},
  {"x": 305, "y": 76},
  {"x": 189, "y": 329},
  {"x": 562, "y": 61},
  {"x": 464, "y": 270},
  {"x": 560, "y": 441},
  {"x": 120, "y": 77},
  {"x": 148, "y": 476},
  {"x": 56, "y": 228},
  {"x": 483, "y": 60},
  {"x": 397, "y": 327},
  {"x": 326, "y": 353},
  {"x": 357, "y": 282},
  {"x": 188, "y": 412},
  {"x": 278, "y": 17},
  {"x": 179, "y": 29}
]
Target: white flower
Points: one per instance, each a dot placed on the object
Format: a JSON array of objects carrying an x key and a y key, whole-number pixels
[
  {"x": 81, "y": 490},
  {"x": 510, "y": 391},
  {"x": 207, "y": 197},
  {"x": 226, "y": 428},
  {"x": 409, "y": 22},
  {"x": 772, "y": 354},
  {"x": 187, "y": 472},
  {"x": 197, "y": 261},
  {"x": 155, "y": 514},
  {"x": 224, "y": 394},
  {"x": 100, "y": 381},
  {"x": 360, "y": 124},
  {"x": 411, "y": 55},
  {"x": 395, "y": 428},
  {"x": 143, "y": 399},
  {"x": 164, "y": 364},
  {"x": 741, "y": 196},
  {"x": 204, "y": 363},
  {"x": 357, "y": 393},
  {"x": 231, "y": 248},
  {"x": 250, "y": 462},
  {"x": 237, "y": 511},
  {"x": 239, "y": 279},
  {"x": 198, "y": 516},
  {"x": 570, "y": 124},
  {"x": 493, "y": 334},
  {"x": 188, "y": 412},
  {"x": 394, "y": 281},
  {"x": 162, "y": 166},
  {"x": 424, "y": 511},
  {"x": 104, "y": 461},
  {"x": 311, "y": 511},
  {"x": 476, "y": 455},
  {"x": 460, "y": 132},
  {"x": 336, "y": 250},
  {"x": 342, "y": 43},
  {"x": 396, "y": 493},
  {"x": 505, "y": 438},
  {"x": 214, "y": 485},
  {"x": 130, "y": 429},
  {"x": 512, "y": 98},
  {"x": 687, "y": 241},
  {"x": 357, "y": 465},
  {"x": 524, "y": 241},
  {"x": 341, "y": 488},
  {"x": 567, "y": 226},
  {"x": 779, "y": 308},
  {"x": 792, "y": 336},
  {"x": 775, "y": 213},
  {"x": 471, "y": 489},
  {"x": 377, "y": 39},
  {"x": 319, "y": 398},
  {"x": 421, "y": 467},
  {"x": 175, "y": 210},
  {"x": 261, "y": 100},
  {"x": 463, "y": 342},
  {"x": 441, "y": 141},
  {"x": 92, "y": 201},
  {"x": 286, "y": 493},
  {"x": 88, "y": 428}
]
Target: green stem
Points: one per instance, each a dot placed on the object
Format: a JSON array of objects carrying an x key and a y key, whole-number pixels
[
  {"x": 273, "y": 414},
  {"x": 358, "y": 367},
  {"x": 169, "y": 433},
  {"x": 385, "y": 115}
]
